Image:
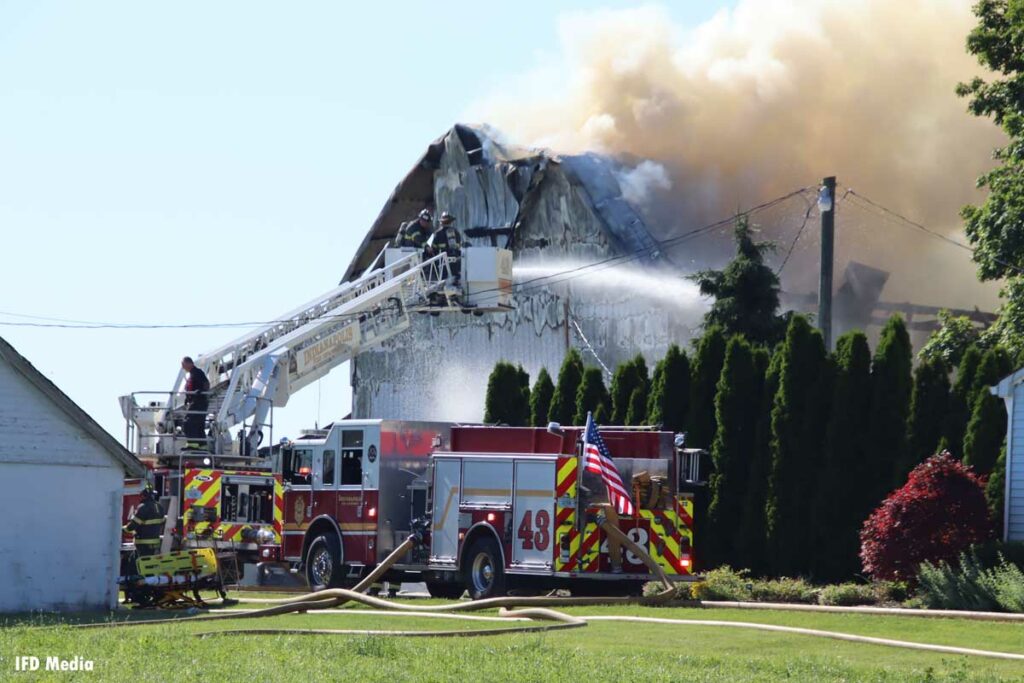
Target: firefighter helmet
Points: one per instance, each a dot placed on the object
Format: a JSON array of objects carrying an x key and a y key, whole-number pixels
[
  {"x": 447, "y": 218},
  {"x": 425, "y": 215},
  {"x": 148, "y": 494}
]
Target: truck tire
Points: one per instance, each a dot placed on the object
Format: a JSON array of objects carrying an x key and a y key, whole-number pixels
[
  {"x": 445, "y": 590},
  {"x": 483, "y": 570},
  {"x": 323, "y": 562}
]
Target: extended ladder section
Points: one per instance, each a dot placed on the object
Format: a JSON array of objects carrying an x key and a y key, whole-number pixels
[{"x": 262, "y": 369}]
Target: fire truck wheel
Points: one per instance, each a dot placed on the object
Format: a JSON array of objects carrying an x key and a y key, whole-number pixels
[
  {"x": 445, "y": 590},
  {"x": 323, "y": 562},
  {"x": 485, "y": 575}
]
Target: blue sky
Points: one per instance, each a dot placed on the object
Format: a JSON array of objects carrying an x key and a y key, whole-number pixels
[{"x": 219, "y": 162}]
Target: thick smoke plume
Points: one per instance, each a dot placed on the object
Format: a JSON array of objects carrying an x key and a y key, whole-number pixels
[{"x": 770, "y": 96}]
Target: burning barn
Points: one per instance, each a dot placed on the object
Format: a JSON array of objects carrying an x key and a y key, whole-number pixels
[{"x": 558, "y": 214}]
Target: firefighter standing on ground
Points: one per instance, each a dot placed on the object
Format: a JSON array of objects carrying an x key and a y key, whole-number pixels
[
  {"x": 147, "y": 524},
  {"x": 415, "y": 233},
  {"x": 447, "y": 239},
  {"x": 197, "y": 401}
]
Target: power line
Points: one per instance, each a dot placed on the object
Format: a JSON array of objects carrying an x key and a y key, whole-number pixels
[
  {"x": 796, "y": 239},
  {"x": 889, "y": 212},
  {"x": 527, "y": 285}
]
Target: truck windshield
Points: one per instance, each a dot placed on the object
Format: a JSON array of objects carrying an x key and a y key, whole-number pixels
[{"x": 297, "y": 466}]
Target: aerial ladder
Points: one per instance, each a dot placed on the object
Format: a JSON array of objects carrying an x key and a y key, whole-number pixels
[{"x": 261, "y": 370}]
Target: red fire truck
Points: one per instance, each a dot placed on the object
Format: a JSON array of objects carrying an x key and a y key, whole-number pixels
[
  {"x": 501, "y": 507},
  {"x": 498, "y": 507}
]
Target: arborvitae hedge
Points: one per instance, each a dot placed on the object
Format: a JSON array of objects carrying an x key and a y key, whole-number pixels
[
  {"x": 505, "y": 401},
  {"x": 563, "y": 401},
  {"x": 628, "y": 377},
  {"x": 985, "y": 433},
  {"x": 959, "y": 402},
  {"x": 840, "y": 504},
  {"x": 751, "y": 548},
  {"x": 540, "y": 399},
  {"x": 591, "y": 396},
  {"x": 669, "y": 401},
  {"x": 995, "y": 492},
  {"x": 986, "y": 428},
  {"x": 798, "y": 426},
  {"x": 736, "y": 412},
  {"x": 705, "y": 371},
  {"x": 637, "y": 414},
  {"x": 929, "y": 408},
  {"x": 890, "y": 405}
]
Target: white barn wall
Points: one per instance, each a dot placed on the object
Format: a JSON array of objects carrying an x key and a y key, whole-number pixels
[
  {"x": 61, "y": 488},
  {"x": 56, "y": 544}
]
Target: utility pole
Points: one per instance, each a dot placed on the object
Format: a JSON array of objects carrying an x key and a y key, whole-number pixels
[{"x": 827, "y": 208}]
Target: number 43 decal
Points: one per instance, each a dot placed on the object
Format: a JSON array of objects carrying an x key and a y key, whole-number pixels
[{"x": 539, "y": 539}]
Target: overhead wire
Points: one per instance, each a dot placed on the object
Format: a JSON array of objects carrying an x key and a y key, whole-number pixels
[
  {"x": 872, "y": 206},
  {"x": 792, "y": 245},
  {"x": 527, "y": 285}
]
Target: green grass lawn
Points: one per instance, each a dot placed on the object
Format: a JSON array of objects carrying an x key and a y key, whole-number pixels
[{"x": 598, "y": 652}]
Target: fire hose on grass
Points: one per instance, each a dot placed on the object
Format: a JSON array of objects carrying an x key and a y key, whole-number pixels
[{"x": 536, "y": 610}]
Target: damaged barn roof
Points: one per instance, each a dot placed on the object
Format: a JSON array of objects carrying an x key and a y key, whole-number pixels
[{"x": 489, "y": 184}]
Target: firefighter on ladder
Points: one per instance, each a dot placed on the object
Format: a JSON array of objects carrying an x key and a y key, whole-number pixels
[
  {"x": 147, "y": 524},
  {"x": 447, "y": 239}
]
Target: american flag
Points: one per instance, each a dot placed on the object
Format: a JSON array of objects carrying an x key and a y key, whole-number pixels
[{"x": 598, "y": 460}]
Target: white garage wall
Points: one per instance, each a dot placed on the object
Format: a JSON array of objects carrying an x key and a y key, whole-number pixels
[{"x": 56, "y": 536}]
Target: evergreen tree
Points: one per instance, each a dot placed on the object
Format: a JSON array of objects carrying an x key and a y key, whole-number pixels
[
  {"x": 705, "y": 371},
  {"x": 890, "y": 406},
  {"x": 929, "y": 407},
  {"x": 505, "y": 402},
  {"x": 797, "y": 436},
  {"x": 669, "y": 401},
  {"x": 751, "y": 542},
  {"x": 563, "y": 401},
  {"x": 995, "y": 364},
  {"x": 959, "y": 405},
  {"x": 628, "y": 377},
  {"x": 591, "y": 396},
  {"x": 540, "y": 399},
  {"x": 986, "y": 428},
  {"x": 524, "y": 388},
  {"x": 995, "y": 492},
  {"x": 746, "y": 293},
  {"x": 736, "y": 411},
  {"x": 985, "y": 433},
  {"x": 839, "y": 502},
  {"x": 637, "y": 413}
]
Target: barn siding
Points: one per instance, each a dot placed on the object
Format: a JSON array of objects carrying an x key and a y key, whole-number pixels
[
  {"x": 34, "y": 430},
  {"x": 55, "y": 540}
]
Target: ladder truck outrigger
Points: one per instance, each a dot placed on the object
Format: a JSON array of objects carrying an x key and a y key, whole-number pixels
[{"x": 496, "y": 508}]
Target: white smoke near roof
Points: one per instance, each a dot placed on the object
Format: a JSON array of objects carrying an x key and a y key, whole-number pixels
[
  {"x": 770, "y": 96},
  {"x": 639, "y": 183}
]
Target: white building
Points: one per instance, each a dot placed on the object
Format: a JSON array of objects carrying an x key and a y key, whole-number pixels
[
  {"x": 63, "y": 477},
  {"x": 1011, "y": 390}
]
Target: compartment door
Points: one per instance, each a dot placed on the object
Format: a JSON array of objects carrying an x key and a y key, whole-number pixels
[
  {"x": 444, "y": 536},
  {"x": 533, "y": 514}
]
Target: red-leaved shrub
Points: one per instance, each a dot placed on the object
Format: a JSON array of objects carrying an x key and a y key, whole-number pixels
[{"x": 939, "y": 512}]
